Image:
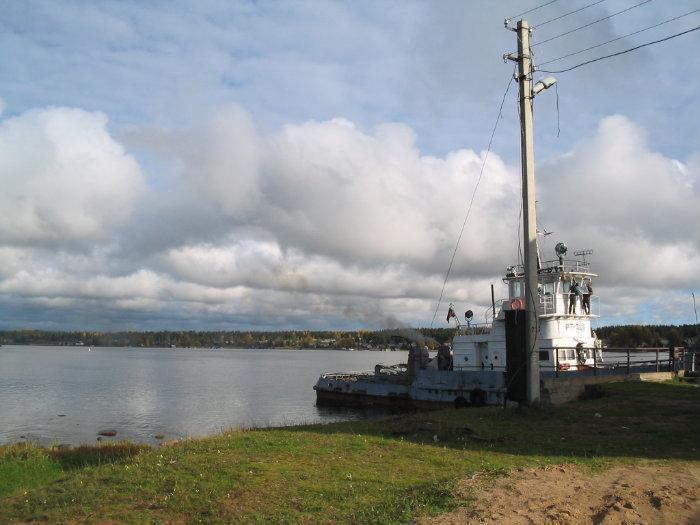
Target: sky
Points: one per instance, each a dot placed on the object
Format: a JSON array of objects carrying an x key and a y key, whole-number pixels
[{"x": 254, "y": 165}]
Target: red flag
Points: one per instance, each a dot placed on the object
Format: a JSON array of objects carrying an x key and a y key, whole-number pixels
[{"x": 450, "y": 314}]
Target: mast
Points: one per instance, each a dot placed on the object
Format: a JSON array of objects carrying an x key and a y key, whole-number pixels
[{"x": 527, "y": 155}]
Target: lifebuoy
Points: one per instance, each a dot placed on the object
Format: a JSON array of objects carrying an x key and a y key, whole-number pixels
[{"x": 517, "y": 304}]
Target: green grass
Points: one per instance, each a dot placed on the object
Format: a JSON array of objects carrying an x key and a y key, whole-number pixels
[
  {"x": 25, "y": 468},
  {"x": 383, "y": 471}
]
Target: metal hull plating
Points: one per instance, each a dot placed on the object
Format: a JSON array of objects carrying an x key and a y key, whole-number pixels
[{"x": 426, "y": 388}]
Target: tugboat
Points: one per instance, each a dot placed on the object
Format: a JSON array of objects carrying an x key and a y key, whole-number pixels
[{"x": 475, "y": 370}]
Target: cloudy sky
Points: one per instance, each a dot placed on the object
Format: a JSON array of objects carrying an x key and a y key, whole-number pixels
[{"x": 308, "y": 164}]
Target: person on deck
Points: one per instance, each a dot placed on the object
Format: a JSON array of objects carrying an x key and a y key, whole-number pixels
[
  {"x": 574, "y": 292},
  {"x": 444, "y": 357},
  {"x": 586, "y": 298}
]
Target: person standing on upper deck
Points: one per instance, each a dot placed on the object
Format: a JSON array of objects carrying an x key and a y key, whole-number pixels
[
  {"x": 586, "y": 298},
  {"x": 574, "y": 292}
]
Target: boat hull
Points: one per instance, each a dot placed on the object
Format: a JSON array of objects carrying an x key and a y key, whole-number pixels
[
  {"x": 349, "y": 399},
  {"x": 426, "y": 389}
]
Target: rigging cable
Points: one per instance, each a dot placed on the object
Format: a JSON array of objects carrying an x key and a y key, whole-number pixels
[
  {"x": 531, "y": 10},
  {"x": 591, "y": 23},
  {"x": 471, "y": 202},
  {"x": 569, "y": 13},
  {"x": 620, "y": 37},
  {"x": 620, "y": 52},
  {"x": 556, "y": 89}
]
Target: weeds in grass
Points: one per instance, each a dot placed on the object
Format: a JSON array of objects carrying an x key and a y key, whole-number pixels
[{"x": 87, "y": 455}]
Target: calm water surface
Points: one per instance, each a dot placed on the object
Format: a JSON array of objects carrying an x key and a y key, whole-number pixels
[{"x": 68, "y": 394}]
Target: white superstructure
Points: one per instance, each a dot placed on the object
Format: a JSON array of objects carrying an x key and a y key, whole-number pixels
[{"x": 567, "y": 341}]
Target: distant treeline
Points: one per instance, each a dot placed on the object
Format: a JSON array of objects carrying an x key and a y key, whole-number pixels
[
  {"x": 402, "y": 338},
  {"x": 630, "y": 336},
  {"x": 361, "y": 339}
]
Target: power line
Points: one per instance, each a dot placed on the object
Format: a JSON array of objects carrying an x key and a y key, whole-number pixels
[
  {"x": 620, "y": 53},
  {"x": 590, "y": 23},
  {"x": 620, "y": 37},
  {"x": 531, "y": 10},
  {"x": 569, "y": 13},
  {"x": 471, "y": 202}
]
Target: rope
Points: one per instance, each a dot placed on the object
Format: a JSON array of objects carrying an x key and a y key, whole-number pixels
[{"x": 471, "y": 202}]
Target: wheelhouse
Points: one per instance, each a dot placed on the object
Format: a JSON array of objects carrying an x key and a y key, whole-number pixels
[
  {"x": 555, "y": 293},
  {"x": 565, "y": 306}
]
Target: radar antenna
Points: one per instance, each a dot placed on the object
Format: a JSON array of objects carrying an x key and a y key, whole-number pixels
[{"x": 582, "y": 254}]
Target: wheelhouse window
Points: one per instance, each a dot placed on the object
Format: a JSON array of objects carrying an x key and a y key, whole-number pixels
[
  {"x": 544, "y": 355},
  {"x": 517, "y": 289}
]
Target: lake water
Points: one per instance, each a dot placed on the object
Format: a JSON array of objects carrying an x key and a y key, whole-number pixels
[{"x": 69, "y": 394}]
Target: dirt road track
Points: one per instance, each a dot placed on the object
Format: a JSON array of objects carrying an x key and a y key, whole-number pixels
[{"x": 565, "y": 495}]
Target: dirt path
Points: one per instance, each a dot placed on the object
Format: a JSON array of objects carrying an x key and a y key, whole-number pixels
[{"x": 566, "y": 495}]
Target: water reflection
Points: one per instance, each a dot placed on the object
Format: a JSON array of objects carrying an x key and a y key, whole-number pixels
[{"x": 68, "y": 394}]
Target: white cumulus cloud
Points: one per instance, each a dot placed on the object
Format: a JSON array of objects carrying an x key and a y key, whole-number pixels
[
  {"x": 323, "y": 224},
  {"x": 64, "y": 178}
]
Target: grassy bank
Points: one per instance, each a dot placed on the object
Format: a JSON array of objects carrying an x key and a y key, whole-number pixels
[{"x": 386, "y": 471}]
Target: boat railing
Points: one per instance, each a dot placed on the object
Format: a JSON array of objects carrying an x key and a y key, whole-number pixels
[
  {"x": 567, "y": 265},
  {"x": 475, "y": 329},
  {"x": 547, "y": 306},
  {"x": 491, "y": 313},
  {"x": 553, "y": 266},
  {"x": 390, "y": 370},
  {"x": 379, "y": 370},
  {"x": 558, "y": 304},
  {"x": 612, "y": 359},
  {"x": 346, "y": 376},
  {"x": 488, "y": 315}
]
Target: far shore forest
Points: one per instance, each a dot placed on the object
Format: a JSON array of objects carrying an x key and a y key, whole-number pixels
[{"x": 629, "y": 336}]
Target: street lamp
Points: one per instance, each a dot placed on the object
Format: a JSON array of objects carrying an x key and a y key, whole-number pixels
[{"x": 543, "y": 84}]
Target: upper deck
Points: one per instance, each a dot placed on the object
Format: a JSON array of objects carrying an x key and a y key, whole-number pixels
[
  {"x": 555, "y": 296},
  {"x": 555, "y": 266}
]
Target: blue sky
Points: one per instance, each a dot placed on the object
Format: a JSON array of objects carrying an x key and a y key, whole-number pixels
[{"x": 308, "y": 164}]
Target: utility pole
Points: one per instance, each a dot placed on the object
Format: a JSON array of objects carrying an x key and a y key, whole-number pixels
[{"x": 527, "y": 161}]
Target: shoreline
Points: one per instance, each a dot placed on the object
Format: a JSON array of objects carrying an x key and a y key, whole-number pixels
[
  {"x": 390, "y": 470},
  {"x": 209, "y": 348}
]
